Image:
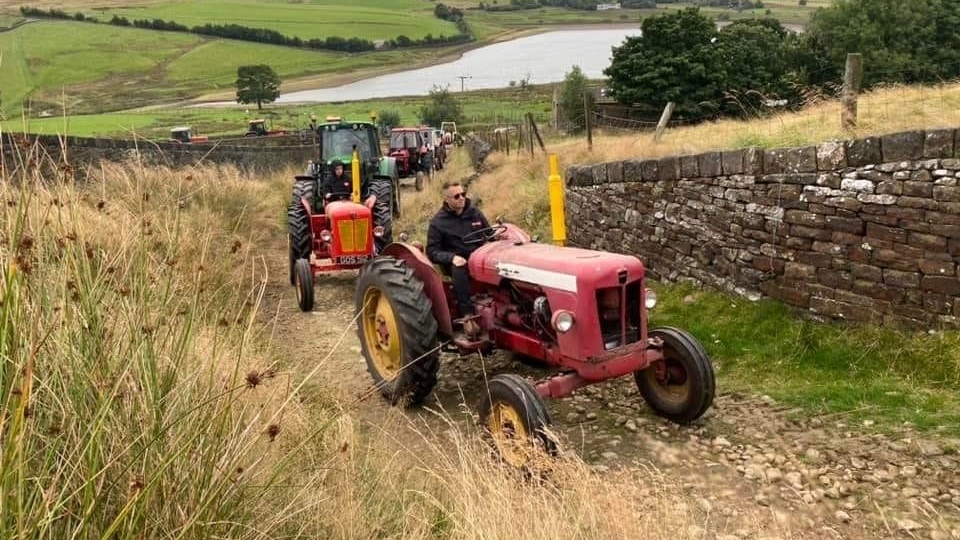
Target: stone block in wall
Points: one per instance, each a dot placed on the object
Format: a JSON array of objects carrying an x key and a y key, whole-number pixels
[
  {"x": 774, "y": 161},
  {"x": 599, "y": 173},
  {"x": 947, "y": 285},
  {"x": 615, "y": 172},
  {"x": 939, "y": 143},
  {"x": 668, "y": 168},
  {"x": 731, "y": 162},
  {"x": 844, "y": 310},
  {"x": 801, "y": 179},
  {"x": 946, "y": 193},
  {"x": 903, "y": 146},
  {"x": 579, "y": 175},
  {"x": 649, "y": 169},
  {"x": 709, "y": 164},
  {"x": 831, "y": 156},
  {"x": 937, "y": 267},
  {"x": 753, "y": 161},
  {"x": 861, "y": 152},
  {"x": 800, "y": 160},
  {"x": 689, "y": 167},
  {"x": 631, "y": 170},
  {"x": 902, "y": 279}
]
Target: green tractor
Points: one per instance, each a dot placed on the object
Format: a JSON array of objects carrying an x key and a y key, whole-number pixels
[{"x": 337, "y": 139}]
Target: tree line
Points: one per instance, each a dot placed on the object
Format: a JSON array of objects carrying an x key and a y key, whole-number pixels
[
  {"x": 272, "y": 37},
  {"x": 750, "y": 66}
]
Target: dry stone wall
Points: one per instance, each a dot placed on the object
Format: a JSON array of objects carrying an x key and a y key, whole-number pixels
[
  {"x": 254, "y": 155},
  {"x": 865, "y": 230}
]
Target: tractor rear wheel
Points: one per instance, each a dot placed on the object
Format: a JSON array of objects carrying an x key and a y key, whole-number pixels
[
  {"x": 304, "y": 284},
  {"x": 680, "y": 387},
  {"x": 300, "y": 239},
  {"x": 397, "y": 331},
  {"x": 383, "y": 210},
  {"x": 517, "y": 420}
]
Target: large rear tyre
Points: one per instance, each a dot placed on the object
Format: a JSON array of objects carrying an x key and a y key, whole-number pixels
[
  {"x": 517, "y": 420},
  {"x": 681, "y": 386},
  {"x": 397, "y": 331},
  {"x": 382, "y": 188},
  {"x": 304, "y": 284},
  {"x": 300, "y": 239}
]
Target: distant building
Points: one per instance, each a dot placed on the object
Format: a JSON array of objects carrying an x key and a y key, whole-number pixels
[{"x": 601, "y": 7}]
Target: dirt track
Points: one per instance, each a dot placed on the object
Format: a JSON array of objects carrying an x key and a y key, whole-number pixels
[{"x": 820, "y": 478}]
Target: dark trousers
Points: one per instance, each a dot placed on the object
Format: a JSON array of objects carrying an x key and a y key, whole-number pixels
[{"x": 461, "y": 288}]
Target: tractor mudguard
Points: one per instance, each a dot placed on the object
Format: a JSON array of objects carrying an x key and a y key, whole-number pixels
[
  {"x": 388, "y": 167},
  {"x": 432, "y": 280}
]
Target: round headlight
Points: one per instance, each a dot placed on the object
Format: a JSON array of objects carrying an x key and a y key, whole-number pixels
[
  {"x": 650, "y": 298},
  {"x": 326, "y": 236},
  {"x": 378, "y": 231},
  {"x": 563, "y": 321}
]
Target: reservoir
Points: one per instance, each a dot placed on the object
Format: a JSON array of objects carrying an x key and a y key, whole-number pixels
[{"x": 538, "y": 59}]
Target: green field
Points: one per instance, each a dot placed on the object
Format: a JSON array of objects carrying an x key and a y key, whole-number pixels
[
  {"x": 82, "y": 68},
  {"x": 380, "y": 19}
]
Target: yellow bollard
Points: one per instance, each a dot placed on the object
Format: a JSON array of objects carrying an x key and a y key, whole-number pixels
[
  {"x": 355, "y": 171},
  {"x": 555, "y": 188}
]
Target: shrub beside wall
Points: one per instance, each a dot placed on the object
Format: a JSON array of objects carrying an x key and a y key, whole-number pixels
[{"x": 865, "y": 230}]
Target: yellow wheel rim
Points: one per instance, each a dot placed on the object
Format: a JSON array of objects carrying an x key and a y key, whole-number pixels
[
  {"x": 381, "y": 334},
  {"x": 510, "y": 434}
]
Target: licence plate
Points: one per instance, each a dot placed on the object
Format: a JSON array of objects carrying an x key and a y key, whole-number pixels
[{"x": 351, "y": 259}]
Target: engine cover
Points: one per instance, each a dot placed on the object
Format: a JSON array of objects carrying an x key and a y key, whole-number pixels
[
  {"x": 351, "y": 225},
  {"x": 573, "y": 270}
]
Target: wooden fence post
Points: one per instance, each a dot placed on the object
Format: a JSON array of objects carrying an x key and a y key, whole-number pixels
[
  {"x": 852, "y": 76},
  {"x": 586, "y": 118},
  {"x": 536, "y": 132},
  {"x": 664, "y": 120}
]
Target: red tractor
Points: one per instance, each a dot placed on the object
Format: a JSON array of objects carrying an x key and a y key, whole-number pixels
[
  {"x": 407, "y": 146},
  {"x": 327, "y": 235},
  {"x": 580, "y": 311}
]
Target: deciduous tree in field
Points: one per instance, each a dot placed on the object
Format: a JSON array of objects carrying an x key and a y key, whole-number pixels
[{"x": 257, "y": 84}]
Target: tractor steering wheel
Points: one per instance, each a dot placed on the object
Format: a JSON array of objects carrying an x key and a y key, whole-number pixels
[{"x": 484, "y": 235}]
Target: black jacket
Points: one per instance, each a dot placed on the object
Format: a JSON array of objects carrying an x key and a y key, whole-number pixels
[
  {"x": 339, "y": 189},
  {"x": 447, "y": 229}
]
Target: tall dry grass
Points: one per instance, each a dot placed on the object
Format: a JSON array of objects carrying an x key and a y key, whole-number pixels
[{"x": 136, "y": 401}]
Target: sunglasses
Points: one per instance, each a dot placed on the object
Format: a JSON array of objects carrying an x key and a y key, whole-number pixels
[{"x": 459, "y": 196}]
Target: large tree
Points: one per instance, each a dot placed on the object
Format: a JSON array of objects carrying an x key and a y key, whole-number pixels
[
  {"x": 257, "y": 84},
  {"x": 900, "y": 41},
  {"x": 674, "y": 59}
]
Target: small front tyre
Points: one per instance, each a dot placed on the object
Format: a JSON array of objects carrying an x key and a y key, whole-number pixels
[
  {"x": 304, "y": 279},
  {"x": 517, "y": 420},
  {"x": 680, "y": 387}
]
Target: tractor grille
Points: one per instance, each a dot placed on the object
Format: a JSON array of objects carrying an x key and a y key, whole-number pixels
[
  {"x": 618, "y": 310},
  {"x": 353, "y": 234}
]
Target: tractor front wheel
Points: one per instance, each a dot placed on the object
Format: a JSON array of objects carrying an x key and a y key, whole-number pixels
[
  {"x": 397, "y": 331},
  {"x": 300, "y": 237},
  {"x": 304, "y": 279},
  {"x": 382, "y": 188},
  {"x": 517, "y": 420},
  {"x": 681, "y": 386}
]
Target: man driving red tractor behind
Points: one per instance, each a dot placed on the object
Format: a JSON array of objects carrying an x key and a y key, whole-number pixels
[
  {"x": 457, "y": 218},
  {"x": 338, "y": 185}
]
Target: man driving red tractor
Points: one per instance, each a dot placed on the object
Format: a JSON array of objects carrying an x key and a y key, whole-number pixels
[{"x": 449, "y": 245}]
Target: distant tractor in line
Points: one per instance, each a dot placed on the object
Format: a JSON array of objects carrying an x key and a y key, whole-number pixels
[
  {"x": 184, "y": 135},
  {"x": 405, "y": 146},
  {"x": 258, "y": 128}
]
